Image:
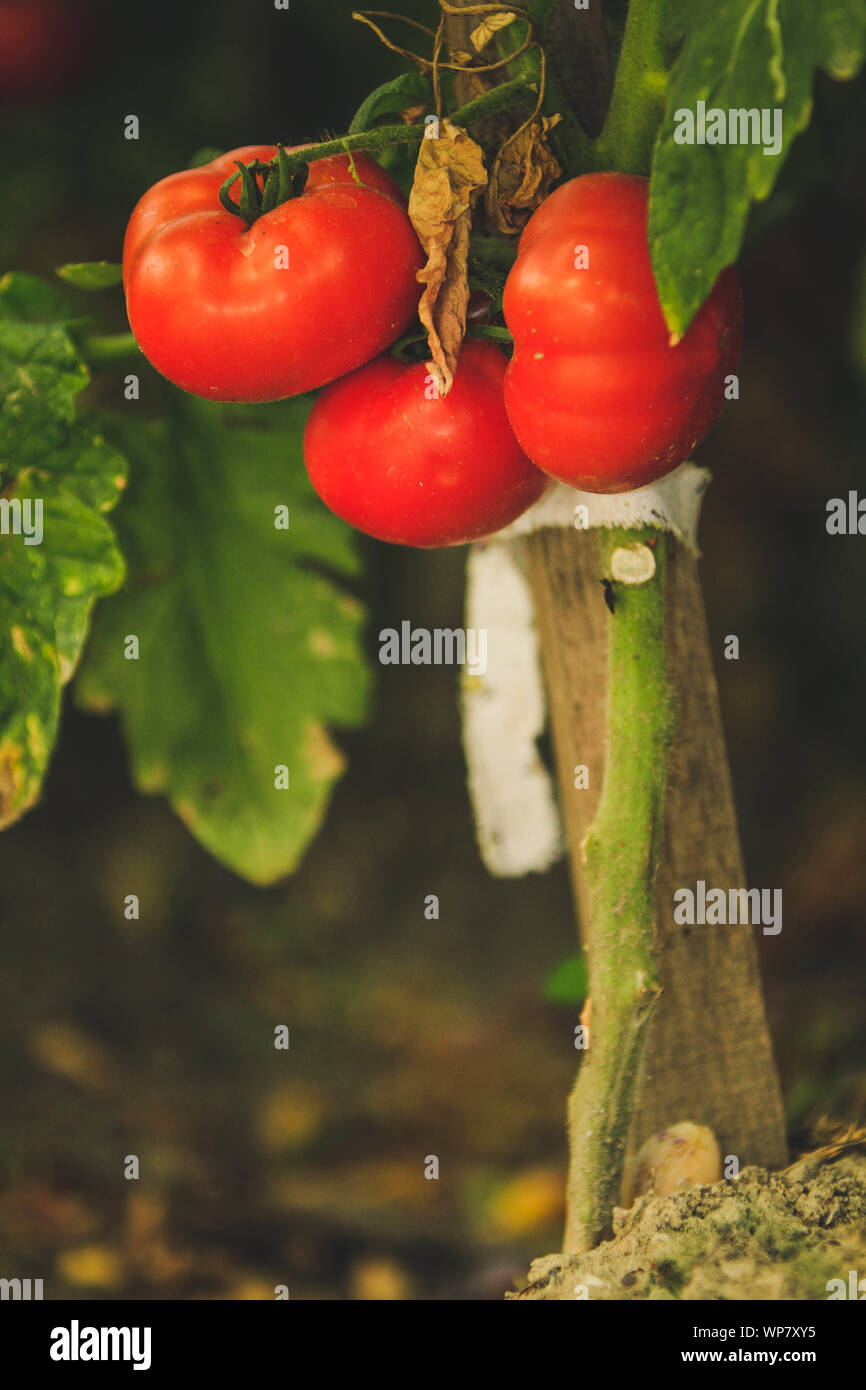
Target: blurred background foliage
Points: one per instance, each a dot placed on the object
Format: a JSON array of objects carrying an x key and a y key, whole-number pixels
[{"x": 409, "y": 1037}]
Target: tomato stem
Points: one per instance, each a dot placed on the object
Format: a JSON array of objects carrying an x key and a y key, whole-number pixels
[
  {"x": 491, "y": 331},
  {"x": 621, "y": 857},
  {"x": 291, "y": 168},
  {"x": 640, "y": 90},
  {"x": 491, "y": 103},
  {"x": 412, "y": 347}
]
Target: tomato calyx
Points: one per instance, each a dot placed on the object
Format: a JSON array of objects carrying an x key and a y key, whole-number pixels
[
  {"x": 492, "y": 333},
  {"x": 412, "y": 347},
  {"x": 264, "y": 186}
]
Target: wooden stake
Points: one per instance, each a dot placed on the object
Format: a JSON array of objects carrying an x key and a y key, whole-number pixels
[{"x": 708, "y": 1056}]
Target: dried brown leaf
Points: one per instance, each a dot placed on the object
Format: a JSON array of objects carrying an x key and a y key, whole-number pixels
[
  {"x": 449, "y": 176},
  {"x": 485, "y": 31},
  {"x": 522, "y": 175}
]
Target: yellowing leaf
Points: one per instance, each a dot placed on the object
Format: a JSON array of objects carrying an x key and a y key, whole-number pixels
[
  {"x": 522, "y": 175},
  {"x": 481, "y": 36},
  {"x": 449, "y": 176},
  {"x": 48, "y": 458}
]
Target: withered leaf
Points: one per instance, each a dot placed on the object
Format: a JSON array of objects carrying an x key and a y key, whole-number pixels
[
  {"x": 449, "y": 176},
  {"x": 522, "y": 175},
  {"x": 481, "y": 36}
]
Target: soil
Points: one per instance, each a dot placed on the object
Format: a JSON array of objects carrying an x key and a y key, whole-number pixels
[{"x": 763, "y": 1235}]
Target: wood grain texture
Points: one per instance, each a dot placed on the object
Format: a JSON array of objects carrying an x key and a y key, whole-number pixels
[{"x": 708, "y": 1057}]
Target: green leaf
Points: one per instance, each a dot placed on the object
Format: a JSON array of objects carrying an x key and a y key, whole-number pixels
[
  {"x": 91, "y": 275},
  {"x": 247, "y": 650},
  {"x": 568, "y": 982},
  {"x": 409, "y": 89},
  {"x": 54, "y": 466},
  {"x": 737, "y": 55}
]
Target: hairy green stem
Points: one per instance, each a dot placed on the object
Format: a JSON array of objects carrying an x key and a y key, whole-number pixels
[
  {"x": 623, "y": 846},
  {"x": 639, "y": 93},
  {"x": 383, "y": 137},
  {"x": 375, "y": 141},
  {"x": 491, "y": 103},
  {"x": 622, "y": 852}
]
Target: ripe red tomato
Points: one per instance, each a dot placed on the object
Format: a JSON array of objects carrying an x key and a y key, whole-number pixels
[
  {"x": 391, "y": 458},
  {"x": 41, "y": 47},
  {"x": 308, "y": 292},
  {"x": 595, "y": 393}
]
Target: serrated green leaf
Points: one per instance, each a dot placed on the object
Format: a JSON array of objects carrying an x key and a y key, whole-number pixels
[
  {"x": 27, "y": 299},
  {"x": 91, "y": 275},
  {"x": 247, "y": 651},
  {"x": 47, "y": 587},
  {"x": 737, "y": 55},
  {"x": 409, "y": 89},
  {"x": 40, "y": 373}
]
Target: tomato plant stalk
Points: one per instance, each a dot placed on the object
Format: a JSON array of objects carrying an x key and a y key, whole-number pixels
[
  {"x": 638, "y": 98},
  {"x": 678, "y": 1029},
  {"x": 621, "y": 855}
]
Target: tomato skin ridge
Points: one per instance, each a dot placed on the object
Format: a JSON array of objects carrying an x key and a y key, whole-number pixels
[{"x": 595, "y": 393}]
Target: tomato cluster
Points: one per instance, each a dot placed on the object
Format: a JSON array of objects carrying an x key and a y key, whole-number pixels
[{"x": 315, "y": 292}]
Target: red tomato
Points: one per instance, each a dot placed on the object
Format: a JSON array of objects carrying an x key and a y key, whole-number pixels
[
  {"x": 595, "y": 393},
  {"x": 308, "y": 292},
  {"x": 391, "y": 458},
  {"x": 41, "y": 47}
]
